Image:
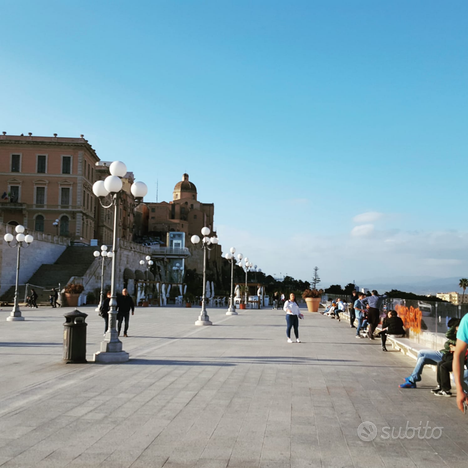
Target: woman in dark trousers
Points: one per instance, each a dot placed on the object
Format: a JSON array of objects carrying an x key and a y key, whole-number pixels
[
  {"x": 293, "y": 314},
  {"x": 373, "y": 313},
  {"x": 392, "y": 325},
  {"x": 33, "y": 298},
  {"x": 104, "y": 311}
]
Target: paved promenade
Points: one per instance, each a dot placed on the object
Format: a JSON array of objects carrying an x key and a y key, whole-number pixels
[{"x": 231, "y": 395}]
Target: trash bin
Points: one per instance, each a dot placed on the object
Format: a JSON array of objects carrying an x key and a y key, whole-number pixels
[{"x": 74, "y": 337}]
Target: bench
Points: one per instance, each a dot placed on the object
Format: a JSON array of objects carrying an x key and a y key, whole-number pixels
[{"x": 405, "y": 345}]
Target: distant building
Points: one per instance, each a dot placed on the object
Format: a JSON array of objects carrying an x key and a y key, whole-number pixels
[
  {"x": 453, "y": 297},
  {"x": 170, "y": 225},
  {"x": 46, "y": 185}
]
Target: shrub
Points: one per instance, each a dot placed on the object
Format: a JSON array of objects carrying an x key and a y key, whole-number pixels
[
  {"x": 74, "y": 288},
  {"x": 312, "y": 293}
]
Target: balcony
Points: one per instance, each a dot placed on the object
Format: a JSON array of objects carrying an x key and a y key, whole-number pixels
[
  {"x": 8, "y": 206},
  {"x": 169, "y": 252}
]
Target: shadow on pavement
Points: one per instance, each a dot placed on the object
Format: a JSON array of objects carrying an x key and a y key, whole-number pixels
[
  {"x": 26, "y": 345},
  {"x": 174, "y": 362}
]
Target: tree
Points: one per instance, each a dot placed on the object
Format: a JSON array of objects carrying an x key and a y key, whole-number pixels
[
  {"x": 334, "y": 289},
  {"x": 349, "y": 288},
  {"x": 315, "y": 279},
  {"x": 463, "y": 284}
]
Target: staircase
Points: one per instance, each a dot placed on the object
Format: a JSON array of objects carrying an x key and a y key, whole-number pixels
[{"x": 74, "y": 261}]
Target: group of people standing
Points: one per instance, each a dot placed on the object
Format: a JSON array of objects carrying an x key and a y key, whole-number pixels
[
  {"x": 366, "y": 309},
  {"x": 125, "y": 305}
]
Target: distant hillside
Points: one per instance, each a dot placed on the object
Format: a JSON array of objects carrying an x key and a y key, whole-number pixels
[{"x": 417, "y": 285}]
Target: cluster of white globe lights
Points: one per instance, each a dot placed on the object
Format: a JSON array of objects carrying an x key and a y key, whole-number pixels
[
  {"x": 15, "y": 315},
  {"x": 112, "y": 185}
]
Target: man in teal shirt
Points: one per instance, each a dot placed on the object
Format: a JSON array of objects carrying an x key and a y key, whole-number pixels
[{"x": 459, "y": 362}]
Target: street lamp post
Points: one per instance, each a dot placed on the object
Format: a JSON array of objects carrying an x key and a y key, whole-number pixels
[
  {"x": 15, "y": 315},
  {"x": 231, "y": 259},
  {"x": 111, "y": 347},
  {"x": 149, "y": 264},
  {"x": 247, "y": 266},
  {"x": 177, "y": 268},
  {"x": 203, "y": 319},
  {"x": 56, "y": 224},
  {"x": 103, "y": 253}
]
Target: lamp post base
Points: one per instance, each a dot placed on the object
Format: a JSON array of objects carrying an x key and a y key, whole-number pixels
[
  {"x": 105, "y": 357},
  {"x": 231, "y": 312},
  {"x": 14, "y": 318},
  {"x": 202, "y": 322}
]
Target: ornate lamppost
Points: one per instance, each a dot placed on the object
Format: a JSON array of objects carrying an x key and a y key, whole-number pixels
[
  {"x": 103, "y": 253},
  {"x": 247, "y": 266},
  {"x": 21, "y": 239},
  {"x": 149, "y": 264},
  {"x": 177, "y": 269},
  {"x": 111, "y": 346},
  {"x": 231, "y": 259},
  {"x": 203, "y": 319}
]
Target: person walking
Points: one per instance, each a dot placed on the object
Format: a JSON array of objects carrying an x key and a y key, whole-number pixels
[
  {"x": 373, "y": 312},
  {"x": 104, "y": 311},
  {"x": 125, "y": 303},
  {"x": 293, "y": 314},
  {"x": 33, "y": 296},
  {"x": 53, "y": 298},
  {"x": 352, "y": 312}
]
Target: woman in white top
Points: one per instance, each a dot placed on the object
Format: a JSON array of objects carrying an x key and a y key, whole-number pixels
[{"x": 293, "y": 314}]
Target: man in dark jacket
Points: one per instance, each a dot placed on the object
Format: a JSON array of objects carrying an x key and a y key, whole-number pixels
[
  {"x": 125, "y": 304},
  {"x": 373, "y": 313},
  {"x": 392, "y": 325}
]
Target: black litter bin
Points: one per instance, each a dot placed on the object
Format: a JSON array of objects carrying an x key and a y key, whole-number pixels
[{"x": 74, "y": 337}]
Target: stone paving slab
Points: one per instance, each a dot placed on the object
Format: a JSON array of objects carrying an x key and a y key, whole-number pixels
[{"x": 231, "y": 395}]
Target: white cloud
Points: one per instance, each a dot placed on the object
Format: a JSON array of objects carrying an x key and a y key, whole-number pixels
[
  {"x": 442, "y": 261},
  {"x": 366, "y": 218},
  {"x": 364, "y": 230},
  {"x": 343, "y": 258}
]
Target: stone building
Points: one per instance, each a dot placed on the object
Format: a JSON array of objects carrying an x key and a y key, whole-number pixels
[
  {"x": 45, "y": 179},
  {"x": 46, "y": 184},
  {"x": 184, "y": 214}
]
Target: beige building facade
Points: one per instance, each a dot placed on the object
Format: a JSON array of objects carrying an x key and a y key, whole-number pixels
[
  {"x": 46, "y": 185},
  {"x": 453, "y": 297}
]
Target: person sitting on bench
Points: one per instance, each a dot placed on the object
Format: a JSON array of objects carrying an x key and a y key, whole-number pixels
[
  {"x": 431, "y": 356},
  {"x": 392, "y": 325}
]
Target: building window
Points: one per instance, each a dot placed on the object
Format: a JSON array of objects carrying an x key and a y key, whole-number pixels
[
  {"x": 15, "y": 162},
  {"x": 153, "y": 210},
  {"x": 41, "y": 164},
  {"x": 66, "y": 164},
  {"x": 40, "y": 196},
  {"x": 65, "y": 196},
  {"x": 39, "y": 223},
  {"x": 14, "y": 193},
  {"x": 194, "y": 216},
  {"x": 64, "y": 226}
]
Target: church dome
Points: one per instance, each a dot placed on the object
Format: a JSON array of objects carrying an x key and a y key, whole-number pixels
[{"x": 185, "y": 189}]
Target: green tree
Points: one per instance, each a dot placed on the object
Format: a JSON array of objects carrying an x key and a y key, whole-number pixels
[
  {"x": 334, "y": 289},
  {"x": 349, "y": 288},
  {"x": 463, "y": 284},
  {"x": 315, "y": 279}
]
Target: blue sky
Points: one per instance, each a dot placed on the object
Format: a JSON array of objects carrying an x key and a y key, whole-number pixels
[{"x": 328, "y": 133}]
